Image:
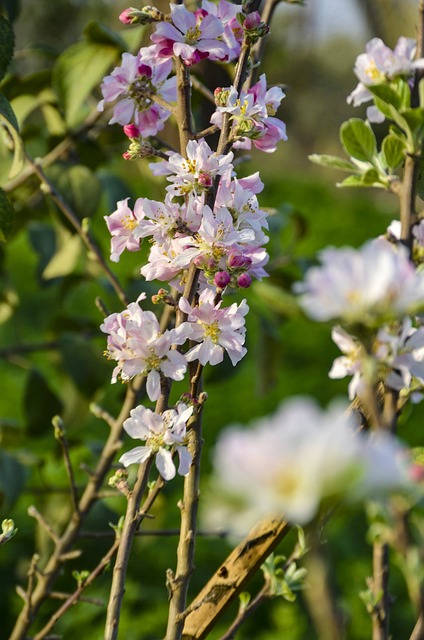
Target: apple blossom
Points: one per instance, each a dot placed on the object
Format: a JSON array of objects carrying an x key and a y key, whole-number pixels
[
  {"x": 286, "y": 464},
  {"x": 136, "y": 343},
  {"x": 193, "y": 36},
  {"x": 367, "y": 286},
  {"x": 252, "y": 115},
  {"x": 132, "y": 84},
  {"x": 215, "y": 329},
  {"x": 380, "y": 65},
  {"x": 195, "y": 172},
  {"x": 163, "y": 435}
]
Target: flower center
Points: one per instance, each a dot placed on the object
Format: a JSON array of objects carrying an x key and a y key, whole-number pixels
[
  {"x": 212, "y": 331},
  {"x": 129, "y": 223},
  {"x": 193, "y": 35}
]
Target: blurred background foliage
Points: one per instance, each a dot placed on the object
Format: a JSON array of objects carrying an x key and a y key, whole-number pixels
[{"x": 50, "y": 343}]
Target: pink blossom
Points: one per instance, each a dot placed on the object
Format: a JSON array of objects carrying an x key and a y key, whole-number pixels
[
  {"x": 369, "y": 285},
  {"x": 192, "y": 35},
  {"x": 132, "y": 84},
  {"x": 252, "y": 115},
  {"x": 137, "y": 344},
  {"x": 163, "y": 434},
  {"x": 215, "y": 329},
  {"x": 122, "y": 224},
  {"x": 194, "y": 173}
]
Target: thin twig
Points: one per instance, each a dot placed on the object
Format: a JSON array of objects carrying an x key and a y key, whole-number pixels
[
  {"x": 75, "y": 597},
  {"x": 203, "y": 89},
  {"x": 131, "y": 522},
  {"x": 154, "y": 533},
  {"x": 245, "y": 612},
  {"x": 34, "y": 513},
  {"x": 209, "y": 131},
  {"x": 60, "y": 434},
  {"x": 84, "y": 234},
  {"x": 89, "y": 497}
]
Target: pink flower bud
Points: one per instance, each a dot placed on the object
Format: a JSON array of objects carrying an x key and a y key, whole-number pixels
[
  {"x": 126, "y": 16},
  {"x": 145, "y": 70},
  {"x": 244, "y": 281},
  {"x": 205, "y": 180},
  {"x": 221, "y": 279},
  {"x": 239, "y": 261},
  {"x": 253, "y": 20},
  {"x": 131, "y": 131},
  {"x": 127, "y": 155},
  {"x": 416, "y": 473}
]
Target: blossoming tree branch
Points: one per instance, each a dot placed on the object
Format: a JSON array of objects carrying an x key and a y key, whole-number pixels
[{"x": 205, "y": 243}]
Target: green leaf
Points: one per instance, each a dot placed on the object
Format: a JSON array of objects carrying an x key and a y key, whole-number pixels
[
  {"x": 421, "y": 92},
  {"x": 65, "y": 259},
  {"x": 7, "y": 216},
  {"x": 414, "y": 118},
  {"x": 79, "y": 187},
  {"x": 99, "y": 33},
  {"x": 12, "y": 480},
  {"x": 77, "y": 71},
  {"x": 8, "y": 117},
  {"x": 333, "y": 162},
  {"x": 360, "y": 181},
  {"x": 7, "y": 43},
  {"x": 40, "y": 404},
  {"x": 359, "y": 140},
  {"x": 398, "y": 94},
  {"x": 394, "y": 149},
  {"x": 84, "y": 363}
]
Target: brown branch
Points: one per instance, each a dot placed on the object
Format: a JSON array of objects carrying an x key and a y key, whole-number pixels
[
  {"x": 178, "y": 584},
  {"x": 76, "y": 596},
  {"x": 229, "y": 580},
  {"x": 89, "y": 497},
  {"x": 418, "y": 630},
  {"x": 130, "y": 526},
  {"x": 379, "y": 583}
]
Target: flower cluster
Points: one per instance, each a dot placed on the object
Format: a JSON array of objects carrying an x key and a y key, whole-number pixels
[
  {"x": 306, "y": 455},
  {"x": 252, "y": 115},
  {"x": 210, "y": 219},
  {"x": 225, "y": 242},
  {"x": 396, "y": 357},
  {"x": 381, "y": 65},
  {"x": 133, "y": 87}
]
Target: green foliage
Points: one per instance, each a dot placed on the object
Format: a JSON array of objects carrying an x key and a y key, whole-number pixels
[
  {"x": 8, "y": 118},
  {"x": 7, "y": 215},
  {"x": 359, "y": 140},
  {"x": 7, "y": 43},
  {"x": 40, "y": 405},
  {"x": 81, "y": 67}
]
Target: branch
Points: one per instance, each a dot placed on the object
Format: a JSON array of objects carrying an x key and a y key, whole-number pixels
[
  {"x": 54, "y": 565},
  {"x": 245, "y": 613},
  {"x": 379, "y": 583},
  {"x": 60, "y": 435},
  {"x": 75, "y": 597},
  {"x": 178, "y": 584},
  {"x": 84, "y": 234},
  {"x": 131, "y": 522},
  {"x": 229, "y": 580}
]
